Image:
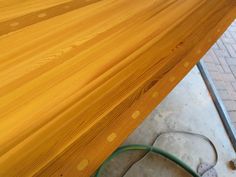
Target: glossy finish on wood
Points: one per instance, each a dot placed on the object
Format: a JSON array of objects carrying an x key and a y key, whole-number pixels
[{"x": 74, "y": 86}]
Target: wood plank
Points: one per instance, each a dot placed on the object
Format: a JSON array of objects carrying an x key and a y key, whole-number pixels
[
  {"x": 88, "y": 77},
  {"x": 16, "y": 14}
]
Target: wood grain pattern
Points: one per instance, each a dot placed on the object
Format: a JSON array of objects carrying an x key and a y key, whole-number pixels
[
  {"x": 74, "y": 86},
  {"x": 16, "y": 14}
]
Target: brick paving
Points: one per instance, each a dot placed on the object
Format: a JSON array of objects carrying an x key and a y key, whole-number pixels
[{"x": 220, "y": 61}]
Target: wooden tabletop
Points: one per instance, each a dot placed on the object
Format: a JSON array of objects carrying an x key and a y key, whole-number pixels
[{"x": 75, "y": 83}]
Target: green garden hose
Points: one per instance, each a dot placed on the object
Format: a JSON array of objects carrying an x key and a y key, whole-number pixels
[{"x": 148, "y": 149}]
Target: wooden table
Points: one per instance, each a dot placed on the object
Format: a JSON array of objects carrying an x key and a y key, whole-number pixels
[{"x": 77, "y": 77}]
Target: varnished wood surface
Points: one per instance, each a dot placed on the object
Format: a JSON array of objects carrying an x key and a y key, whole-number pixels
[
  {"x": 75, "y": 85},
  {"x": 16, "y": 14}
]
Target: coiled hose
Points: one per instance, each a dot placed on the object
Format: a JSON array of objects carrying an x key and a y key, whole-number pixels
[{"x": 148, "y": 149}]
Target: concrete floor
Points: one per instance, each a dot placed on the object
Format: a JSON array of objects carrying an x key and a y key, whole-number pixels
[{"x": 188, "y": 107}]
